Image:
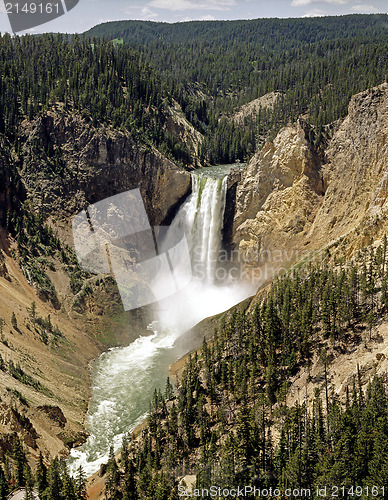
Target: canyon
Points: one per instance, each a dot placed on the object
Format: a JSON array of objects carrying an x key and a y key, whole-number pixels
[{"x": 292, "y": 197}]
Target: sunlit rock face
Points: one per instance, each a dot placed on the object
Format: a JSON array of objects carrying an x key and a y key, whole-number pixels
[
  {"x": 294, "y": 198},
  {"x": 356, "y": 171},
  {"x": 279, "y": 193}
]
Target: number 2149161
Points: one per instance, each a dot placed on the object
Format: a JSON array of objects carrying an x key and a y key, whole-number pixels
[
  {"x": 357, "y": 491},
  {"x": 33, "y": 8}
]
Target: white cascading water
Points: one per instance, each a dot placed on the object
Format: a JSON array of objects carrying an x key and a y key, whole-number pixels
[
  {"x": 205, "y": 216},
  {"x": 124, "y": 379}
]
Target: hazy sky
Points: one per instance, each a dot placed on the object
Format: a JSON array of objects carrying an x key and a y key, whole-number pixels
[{"x": 88, "y": 13}]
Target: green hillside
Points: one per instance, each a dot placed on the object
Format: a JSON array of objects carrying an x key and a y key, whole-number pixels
[
  {"x": 277, "y": 34},
  {"x": 215, "y": 67}
]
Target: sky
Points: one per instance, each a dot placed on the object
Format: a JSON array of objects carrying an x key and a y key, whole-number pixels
[{"x": 89, "y": 13}]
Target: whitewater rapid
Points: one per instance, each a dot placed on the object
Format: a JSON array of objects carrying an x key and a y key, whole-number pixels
[{"x": 124, "y": 379}]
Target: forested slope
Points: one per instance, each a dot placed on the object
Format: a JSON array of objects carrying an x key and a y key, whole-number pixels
[
  {"x": 229, "y": 421},
  {"x": 279, "y": 34},
  {"x": 107, "y": 85},
  {"x": 215, "y": 67}
]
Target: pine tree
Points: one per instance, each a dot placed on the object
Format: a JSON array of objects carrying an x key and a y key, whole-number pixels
[
  {"x": 129, "y": 488},
  {"x": 14, "y": 322},
  {"x": 2, "y": 324},
  {"x": 4, "y": 485},
  {"x": 53, "y": 490},
  {"x": 80, "y": 484},
  {"x": 20, "y": 462},
  {"x": 29, "y": 485},
  {"x": 113, "y": 478},
  {"x": 41, "y": 475},
  {"x": 32, "y": 311},
  {"x": 169, "y": 391}
]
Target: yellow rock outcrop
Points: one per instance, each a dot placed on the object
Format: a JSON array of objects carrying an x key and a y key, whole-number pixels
[{"x": 293, "y": 198}]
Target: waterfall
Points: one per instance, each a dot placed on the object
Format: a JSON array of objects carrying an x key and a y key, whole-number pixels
[
  {"x": 124, "y": 379},
  {"x": 211, "y": 289},
  {"x": 201, "y": 219},
  {"x": 206, "y": 217}
]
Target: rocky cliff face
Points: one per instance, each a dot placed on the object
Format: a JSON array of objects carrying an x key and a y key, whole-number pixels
[
  {"x": 293, "y": 198},
  {"x": 356, "y": 173},
  {"x": 234, "y": 177},
  {"x": 280, "y": 191},
  {"x": 253, "y": 108},
  {"x": 94, "y": 163},
  {"x": 178, "y": 126}
]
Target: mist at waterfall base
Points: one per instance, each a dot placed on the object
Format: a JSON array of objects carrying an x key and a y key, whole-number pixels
[
  {"x": 212, "y": 288},
  {"x": 124, "y": 379}
]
